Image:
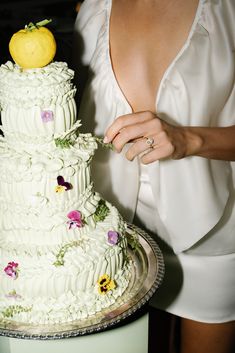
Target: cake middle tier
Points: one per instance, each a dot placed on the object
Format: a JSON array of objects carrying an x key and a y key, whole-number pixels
[
  {"x": 50, "y": 264},
  {"x": 52, "y": 174}
]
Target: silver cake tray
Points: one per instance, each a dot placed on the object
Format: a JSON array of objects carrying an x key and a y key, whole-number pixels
[{"x": 146, "y": 275}]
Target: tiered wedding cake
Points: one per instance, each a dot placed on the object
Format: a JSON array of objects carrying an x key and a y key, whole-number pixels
[{"x": 63, "y": 250}]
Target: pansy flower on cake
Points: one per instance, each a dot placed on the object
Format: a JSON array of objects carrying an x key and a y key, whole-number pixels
[
  {"x": 12, "y": 269},
  {"x": 75, "y": 219},
  {"x": 105, "y": 284},
  {"x": 47, "y": 115},
  {"x": 113, "y": 237},
  {"x": 62, "y": 185}
]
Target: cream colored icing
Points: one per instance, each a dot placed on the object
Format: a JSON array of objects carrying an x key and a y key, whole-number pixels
[
  {"x": 58, "y": 267},
  {"x": 70, "y": 306},
  {"x": 25, "y": 94}
]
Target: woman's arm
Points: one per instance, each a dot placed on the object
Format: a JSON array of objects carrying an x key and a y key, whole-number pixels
[
  {"x": 169, "y": 141},
  {"x": 215, "y": 142}
]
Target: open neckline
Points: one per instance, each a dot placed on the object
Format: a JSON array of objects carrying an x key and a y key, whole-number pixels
[{"x": 119, "y": 90}]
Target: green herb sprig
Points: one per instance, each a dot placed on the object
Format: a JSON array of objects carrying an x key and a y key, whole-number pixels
[
  {"x": 63, "y": 142},
  {"x": 60, "y": 256},
  {"x": 100, "y": 141},
  {"x": 101, "y": 212},
  {"x": 13, "y": 310},
  {"x": 132, "y": 240}
]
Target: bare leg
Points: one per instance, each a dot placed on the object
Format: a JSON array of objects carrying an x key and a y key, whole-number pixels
[
  {"x": 171, "y": 334},
  {"x": 198, "y": 337}
]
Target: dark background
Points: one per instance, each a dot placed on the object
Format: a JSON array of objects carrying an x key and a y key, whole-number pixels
[{"x": 15, "y": 14}]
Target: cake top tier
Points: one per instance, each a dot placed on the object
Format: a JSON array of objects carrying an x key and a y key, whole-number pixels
[
  {"x": 37, "y": 101},
  {"x": 54, "y": 73},
  {"x": 40, "y": 87}
]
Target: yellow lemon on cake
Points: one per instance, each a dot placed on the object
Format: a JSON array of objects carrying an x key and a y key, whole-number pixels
[{"x": 34, "y": 46}]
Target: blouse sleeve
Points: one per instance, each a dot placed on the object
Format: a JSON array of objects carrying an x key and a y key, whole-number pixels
[
  {"x": 88, "y": 24},
  {"x": 89, "y": 21}
]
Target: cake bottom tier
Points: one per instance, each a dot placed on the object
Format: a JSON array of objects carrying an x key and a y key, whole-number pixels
[
  {"x": 66, "y": 308},
  {"x": 68, "y": 282}
]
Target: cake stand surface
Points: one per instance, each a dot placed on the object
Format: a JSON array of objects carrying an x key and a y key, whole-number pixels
[{"x": 147, "y": 274}]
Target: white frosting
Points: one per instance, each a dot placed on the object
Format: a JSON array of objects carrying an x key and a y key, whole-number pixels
[
  {"x": 41, "y": 168},
  {"x": 89, "y": 254},
  {"x": 40, "y": 284},
  {"x": 70, "y": 306},
  {"x": 58, "y": 266},
  {"x": 25, "y": 94}
]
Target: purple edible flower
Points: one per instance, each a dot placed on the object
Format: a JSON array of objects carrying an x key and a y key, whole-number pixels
[
  {"x": 12, "y": 269},
  {"x": 47, "y": 115},
  {"x": 113, "y": 237},
  {"x": 62, "y": 185},
  {"x": 75, "y": 219}
]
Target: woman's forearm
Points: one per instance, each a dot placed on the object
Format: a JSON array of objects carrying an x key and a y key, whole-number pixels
[
  {"x": 211, "y": 142},
  {"x": 169, "y": 141}
]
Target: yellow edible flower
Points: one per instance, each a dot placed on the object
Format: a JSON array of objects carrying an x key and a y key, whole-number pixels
[{"x": 105, "y": 284}]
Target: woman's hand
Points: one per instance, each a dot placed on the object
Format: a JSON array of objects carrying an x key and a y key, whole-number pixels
[{"x": 151, "y": 138}]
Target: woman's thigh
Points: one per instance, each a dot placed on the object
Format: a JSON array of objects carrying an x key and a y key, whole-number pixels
[
  {"x": 198, "y": 337},
  {"x": 171, "y": 334}
]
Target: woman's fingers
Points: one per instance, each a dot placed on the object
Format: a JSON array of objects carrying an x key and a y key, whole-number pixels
[
  {"x": 130, "y": 134},
  {"x": 156, "y": 153},
  {"x": 127, "y": 121},
  {"x": 151, "y": 149},
  {"x": 129, "y": 128},
  {"x": 149, "y": 137}
]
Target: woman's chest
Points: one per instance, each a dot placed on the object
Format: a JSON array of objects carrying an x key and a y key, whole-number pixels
[
  {"x": 127, "y": 74},
  {"x": 143, "y": 43}
]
